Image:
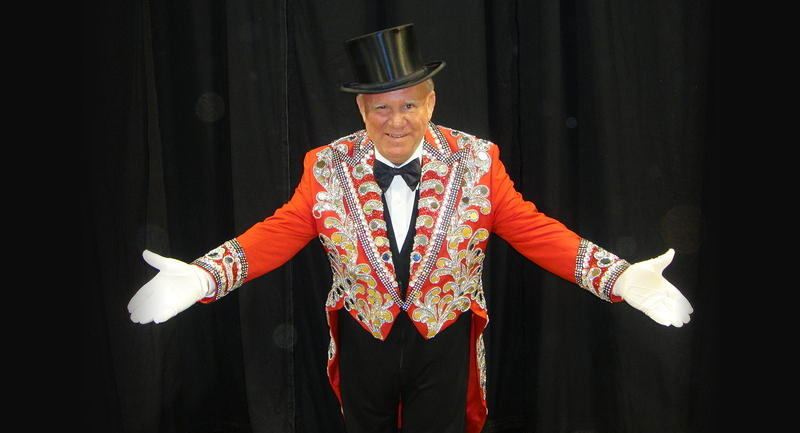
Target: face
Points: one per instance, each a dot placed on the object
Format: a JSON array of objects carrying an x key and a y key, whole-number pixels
[{"x": 396, "y": 121}]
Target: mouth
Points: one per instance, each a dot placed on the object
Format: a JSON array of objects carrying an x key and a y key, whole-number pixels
[{"x": 397, "y": 136}]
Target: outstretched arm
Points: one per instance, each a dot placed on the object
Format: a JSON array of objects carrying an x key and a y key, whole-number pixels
[
  {"x": 262, "y": 248},
  {"x": 550, "y": 244}
]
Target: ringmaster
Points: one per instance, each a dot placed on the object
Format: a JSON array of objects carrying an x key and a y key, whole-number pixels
[{"x": 404, "y": 209}]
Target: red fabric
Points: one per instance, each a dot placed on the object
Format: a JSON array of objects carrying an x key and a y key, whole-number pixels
[
  {"x": 541, "y": 239},
  {"x": 272, "y": 242}
]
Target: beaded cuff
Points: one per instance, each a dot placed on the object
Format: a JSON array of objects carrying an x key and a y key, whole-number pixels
[
  {"x": 596, "y": 270},
  {"x": 227, "y": 264}
]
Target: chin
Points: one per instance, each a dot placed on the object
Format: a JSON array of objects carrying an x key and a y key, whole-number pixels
[{"x": 396, "y": 152}]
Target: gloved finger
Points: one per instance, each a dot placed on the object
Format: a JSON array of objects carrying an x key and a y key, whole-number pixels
[
  {"x": 660, "y": 317},
  {"x": 147, "y": 306},
  {"x": 140, "y": 297},
  {"x": 660, "y": 263},
  {"x": 140, "y": 315},
  {"x": 156, "y": 311},
  {"x": 664, "y": 312},
  {"x": 674, "y": 313},
  {"x": 682, "y": 319},
  {"x": 160, "y": 262},
  {"x": 138, "y": 318},
  {"x": 164, "y": 314},
  {"x": 161, "y": 317},
  {"x": 676, "y": 294},
  {"x": 686, "y": 307}
]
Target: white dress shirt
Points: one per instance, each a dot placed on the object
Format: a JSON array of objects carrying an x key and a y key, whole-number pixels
[{"x": 400, "y": 198}]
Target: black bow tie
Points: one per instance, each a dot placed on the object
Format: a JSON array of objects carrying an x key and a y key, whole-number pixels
[{"x": 384, "y": 174}]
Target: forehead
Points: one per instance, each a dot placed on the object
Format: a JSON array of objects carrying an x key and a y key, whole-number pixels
[{"x": 413, "y": 93}]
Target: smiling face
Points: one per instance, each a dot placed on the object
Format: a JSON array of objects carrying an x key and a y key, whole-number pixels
[{"x": 396, "y": 121}]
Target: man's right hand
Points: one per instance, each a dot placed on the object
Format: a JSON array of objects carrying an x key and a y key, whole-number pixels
[{"x": 175, "y": 288}]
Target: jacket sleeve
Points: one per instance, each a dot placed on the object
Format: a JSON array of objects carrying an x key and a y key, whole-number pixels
[
  {"x": 267, "y": 244},
  {"x": 546, "y": 241}
]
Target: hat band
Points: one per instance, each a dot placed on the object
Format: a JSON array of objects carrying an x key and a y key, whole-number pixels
[{"x": 409, "y": 80}]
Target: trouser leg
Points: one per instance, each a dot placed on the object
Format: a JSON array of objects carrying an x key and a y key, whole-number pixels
[
  {"x": 369, "y": 381},
  {"x": 434, "y": 381},
  {"x": 429, "y": 375}
]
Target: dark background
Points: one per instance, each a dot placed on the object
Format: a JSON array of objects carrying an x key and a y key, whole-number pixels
[{"x": 197, "y": 115}]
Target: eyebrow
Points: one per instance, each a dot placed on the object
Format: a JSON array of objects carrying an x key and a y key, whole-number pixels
[{"x": 408, "y": 101}]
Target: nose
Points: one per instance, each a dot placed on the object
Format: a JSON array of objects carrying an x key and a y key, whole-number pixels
[{"x": 397, "y": 119}]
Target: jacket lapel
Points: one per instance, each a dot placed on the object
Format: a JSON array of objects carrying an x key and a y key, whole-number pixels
[{"x": 439, "y": 187}]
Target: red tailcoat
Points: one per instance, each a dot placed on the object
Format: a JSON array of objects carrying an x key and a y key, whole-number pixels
[{"x": 465, "y": 194}]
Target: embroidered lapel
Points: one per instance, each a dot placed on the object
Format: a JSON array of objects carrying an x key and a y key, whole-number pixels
[{"x": 440, "y": 183}]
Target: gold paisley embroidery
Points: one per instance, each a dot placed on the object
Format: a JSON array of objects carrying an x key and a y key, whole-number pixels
[
  {"x": 435, "y": 309},
  {"x": 331, "y": 346},
  {"x": 372, "y": 310},
  {"x": 368, "y": 187},
  {"x": 457, "y": 276},
  {"x": 352, "y": 282},
  {"x": 425, "y": 221},
  {"x": 434, "y": 184},
  {"x": 481, "y": 355}
]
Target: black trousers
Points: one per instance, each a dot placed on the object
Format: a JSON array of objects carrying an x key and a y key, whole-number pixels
[{"x": 429, "y": 377}]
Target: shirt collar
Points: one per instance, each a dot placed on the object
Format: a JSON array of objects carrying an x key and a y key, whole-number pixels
[{"x": 417, "y": 153}]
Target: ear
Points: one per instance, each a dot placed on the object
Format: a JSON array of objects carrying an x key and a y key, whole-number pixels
[
  {"x": 362, "y": 108},
  {"x": 430, "y": 103}
]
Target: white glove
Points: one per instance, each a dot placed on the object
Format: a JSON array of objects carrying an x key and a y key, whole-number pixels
[
  {"x": 643, "y": 287},
  {"x": 175, "y": 288}
]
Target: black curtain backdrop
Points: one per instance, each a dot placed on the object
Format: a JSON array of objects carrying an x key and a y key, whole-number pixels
[{"x": 198, "y": 119}]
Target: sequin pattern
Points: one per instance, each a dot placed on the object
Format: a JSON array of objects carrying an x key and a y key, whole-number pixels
[
  {"x": 596, "y": 269},
  {"x": 227, "y": 264},
  {"x": 331, "y": 347},
  {"x": 481, "y": 355},
  {"x": 457, "y": 276},
  {"x": 442, "y": 171},
  {"x": 353, "y": 283}
]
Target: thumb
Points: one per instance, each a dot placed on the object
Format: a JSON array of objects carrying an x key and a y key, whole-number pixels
[
  {"x": 660, "y": 263},
  {"x": 159, "y": 262}
]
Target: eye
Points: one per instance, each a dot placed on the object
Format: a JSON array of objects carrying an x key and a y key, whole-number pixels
[{"x": 410, "y": 106}]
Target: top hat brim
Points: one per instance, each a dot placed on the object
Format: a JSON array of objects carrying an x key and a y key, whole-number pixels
[{"x": 428, "y": 71}]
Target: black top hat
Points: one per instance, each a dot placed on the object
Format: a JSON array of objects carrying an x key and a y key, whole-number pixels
[{"x": 387, "y": 60}]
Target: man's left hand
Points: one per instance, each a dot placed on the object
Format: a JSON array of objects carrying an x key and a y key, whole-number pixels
[{"x": 643, "y": 287}]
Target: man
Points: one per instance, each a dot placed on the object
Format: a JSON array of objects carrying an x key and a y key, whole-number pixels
[{"x": 404, "y": 210}]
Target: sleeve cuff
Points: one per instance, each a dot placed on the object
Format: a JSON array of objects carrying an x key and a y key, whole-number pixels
[
  {"x": 596, "y": 270},
  {"x": 227, "y": 266}
]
